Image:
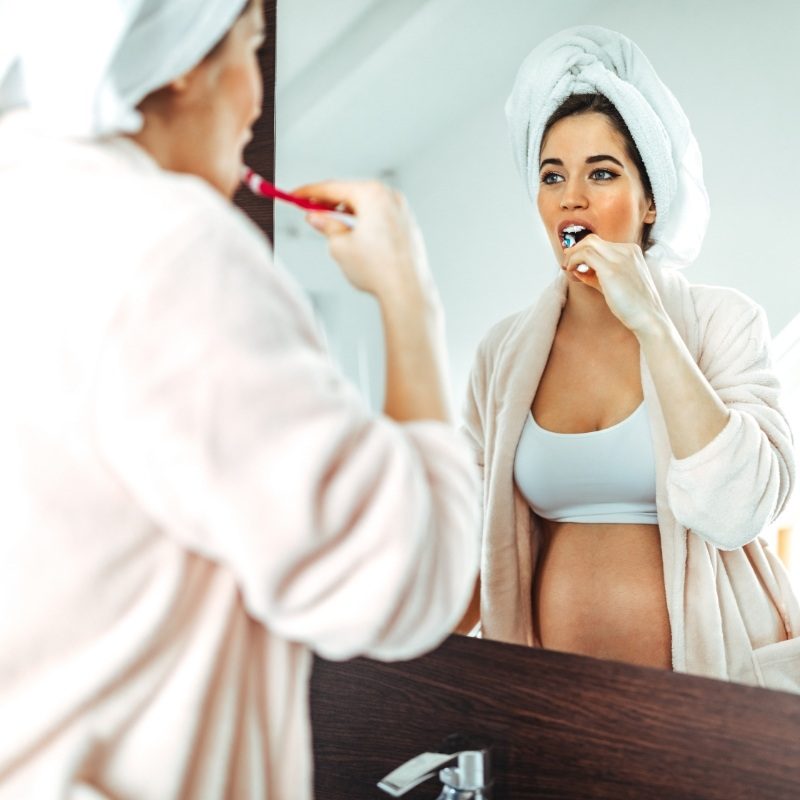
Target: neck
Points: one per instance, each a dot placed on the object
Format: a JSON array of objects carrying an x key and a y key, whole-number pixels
[
  {"x": 587, "y": 310},
  {"x": 159, "y": 141},
  {"x": 172, "y": 140}
]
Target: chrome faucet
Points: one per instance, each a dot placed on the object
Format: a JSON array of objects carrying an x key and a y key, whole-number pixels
[{"x": 469, "y": 779}]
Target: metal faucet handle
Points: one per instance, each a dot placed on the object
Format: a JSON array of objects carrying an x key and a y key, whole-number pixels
[
  {"x": 468, "y": 780},
  {"x": 413, "y": 773},
  {"x": 472, "y": 772}
]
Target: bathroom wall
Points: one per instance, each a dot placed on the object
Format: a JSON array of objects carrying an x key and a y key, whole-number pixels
[{"x": 415, "y": 92}]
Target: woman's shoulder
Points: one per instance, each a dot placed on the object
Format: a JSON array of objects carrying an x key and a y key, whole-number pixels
[
  {"x": 493, "y": 339},
  {"x": 711, "y": 303},
  {"x": 161, "y": 207},
  {"x": 518, "y": 332},
  {"x": 500, "y": 329},
  {"x": 723, "y": 311},
  {"x": 202, "y": 214}
]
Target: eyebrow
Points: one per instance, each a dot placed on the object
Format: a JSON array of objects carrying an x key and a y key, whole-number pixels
[{"x": 591, "y": 160}]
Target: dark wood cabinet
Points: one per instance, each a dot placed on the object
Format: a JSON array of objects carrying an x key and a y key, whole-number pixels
[{"x": 560, "y": 726}]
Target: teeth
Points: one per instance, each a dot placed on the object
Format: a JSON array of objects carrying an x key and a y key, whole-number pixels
[{"x": 573, "y": 229}]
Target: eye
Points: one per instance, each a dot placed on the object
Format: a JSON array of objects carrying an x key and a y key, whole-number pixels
[
  {"x": 603, "y": 175},
  {"x": 551, "y": 177}
]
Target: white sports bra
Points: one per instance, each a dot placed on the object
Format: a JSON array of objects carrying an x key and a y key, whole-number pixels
[{"x": 600, "y": 476}]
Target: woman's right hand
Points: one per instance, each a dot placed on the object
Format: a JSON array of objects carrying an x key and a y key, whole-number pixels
[{"x": 384, "y": 253}]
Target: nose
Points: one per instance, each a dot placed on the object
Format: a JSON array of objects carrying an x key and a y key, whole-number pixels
[{"x": 573, "y": 195}]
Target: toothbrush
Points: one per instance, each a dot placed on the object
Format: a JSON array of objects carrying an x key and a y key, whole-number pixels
[
  {"x": 568, "y": 240},
  {"x": 263, "y": 188}
]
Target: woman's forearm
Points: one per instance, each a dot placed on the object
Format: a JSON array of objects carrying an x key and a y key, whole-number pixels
[
  {"x": 693, "y": 412},
  {"x": 385, "y": 255},
  {"x": 416, "y": 364}
]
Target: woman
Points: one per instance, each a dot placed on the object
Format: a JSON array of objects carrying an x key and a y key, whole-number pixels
[
  {"x": 628, "y": 424},
  {"x": 194, "y": 498}
]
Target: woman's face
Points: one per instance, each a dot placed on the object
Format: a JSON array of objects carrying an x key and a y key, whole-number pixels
[
  {"x": 219, "y": 102},
  {"x": 587, "y": 179}
]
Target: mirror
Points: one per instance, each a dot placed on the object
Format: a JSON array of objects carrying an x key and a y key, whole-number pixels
[{"x": 413, "y": 93}]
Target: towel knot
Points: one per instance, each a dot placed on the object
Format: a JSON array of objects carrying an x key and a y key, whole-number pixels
[{"x": 84, "y": 72}]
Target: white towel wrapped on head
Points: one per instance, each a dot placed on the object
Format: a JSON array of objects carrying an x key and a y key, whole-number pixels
[
  {"x": 593, "y": 60},
  {"x": 82, "y": 67}
]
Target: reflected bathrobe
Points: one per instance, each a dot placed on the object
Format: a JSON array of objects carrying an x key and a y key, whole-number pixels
[
  {"x": 731, "y": 609},
  {"x": 194, "y": 498}
]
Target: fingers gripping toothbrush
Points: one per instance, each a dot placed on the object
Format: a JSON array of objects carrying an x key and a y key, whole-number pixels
[{"x": 570, "y": 236}]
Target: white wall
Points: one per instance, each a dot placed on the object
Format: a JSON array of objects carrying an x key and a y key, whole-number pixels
[
  {"x": 730, "y": 64},
  {"x": 731, "y": 68}
]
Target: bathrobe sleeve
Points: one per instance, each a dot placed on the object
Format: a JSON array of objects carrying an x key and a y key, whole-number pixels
[
  {"x": 220, "y": 411},
  {"x": 728, "y": 491}
]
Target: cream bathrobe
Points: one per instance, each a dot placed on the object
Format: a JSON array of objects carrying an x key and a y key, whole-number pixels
[
  {"x": 730, "y": 605},
  {"x": 193, "y": 497}
]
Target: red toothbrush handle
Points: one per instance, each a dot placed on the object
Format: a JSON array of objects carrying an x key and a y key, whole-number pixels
[{"x": 261, "y": 186}]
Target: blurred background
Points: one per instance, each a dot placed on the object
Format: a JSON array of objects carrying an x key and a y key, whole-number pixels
[{"x": 412, "y": 92}]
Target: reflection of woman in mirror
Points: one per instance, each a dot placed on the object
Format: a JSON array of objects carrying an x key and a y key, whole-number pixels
[{"x": 628, "y": 423}]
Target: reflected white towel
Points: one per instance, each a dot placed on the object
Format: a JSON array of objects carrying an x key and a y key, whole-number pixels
[
  {"x": 589, "y": 59},
  {"x": 84, "y": 66}
]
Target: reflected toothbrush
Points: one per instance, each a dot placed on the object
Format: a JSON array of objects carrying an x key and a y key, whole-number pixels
[
  {"x": 569, "y": 239},
  {"x": 263, "y": 188}
]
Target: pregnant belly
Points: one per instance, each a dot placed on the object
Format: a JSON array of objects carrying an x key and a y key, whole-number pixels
[{"x": 599, "y": 591}]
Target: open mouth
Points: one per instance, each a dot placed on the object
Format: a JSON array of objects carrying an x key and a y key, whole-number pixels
[{"x": 572, "y": 234}]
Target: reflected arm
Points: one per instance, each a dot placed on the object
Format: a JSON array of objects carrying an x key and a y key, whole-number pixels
[
  {"x": 693, "y": 412},
  {"x": 732, "y": 467}
]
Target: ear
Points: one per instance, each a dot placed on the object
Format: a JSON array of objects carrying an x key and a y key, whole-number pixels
[
  {"x": 650, "y": 216},
  {"x": 180, "y": 84},
  {"x": 185, "y": 83},
  {"x": 187, "y": 88}
]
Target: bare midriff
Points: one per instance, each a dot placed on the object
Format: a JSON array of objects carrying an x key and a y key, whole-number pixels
[
  {"x": 598, "y": 588},
  {"x": 599, "y": 591}
]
